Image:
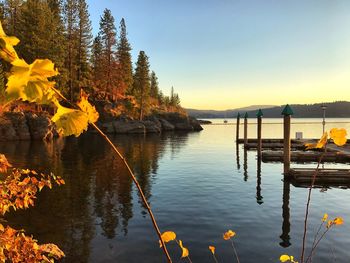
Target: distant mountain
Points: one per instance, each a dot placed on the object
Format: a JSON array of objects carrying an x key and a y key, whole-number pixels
[
  {"x": 224, "y": 113},
  {"x": 338, "y": 109}
]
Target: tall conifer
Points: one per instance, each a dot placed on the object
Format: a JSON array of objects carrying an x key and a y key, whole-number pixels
[
  {"x": 108, "y": 34},
  {"x": 125, "y": 78},
  {"x": 141, "y": 87}
]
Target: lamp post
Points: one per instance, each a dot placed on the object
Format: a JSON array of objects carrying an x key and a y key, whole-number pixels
[{"x": 324, "y": 107}]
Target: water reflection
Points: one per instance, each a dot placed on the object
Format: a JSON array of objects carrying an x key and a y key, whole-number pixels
[
  {"x": 97, "y": 198},
  {"x": 245, "y": 165},
  {"x": 259, "y": 197},
  {"x": 285, "y": 215},
  {"x": 237, "y": 157}
]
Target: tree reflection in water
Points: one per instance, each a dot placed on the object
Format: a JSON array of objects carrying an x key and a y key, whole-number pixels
[{"x": 98, "y": 194}]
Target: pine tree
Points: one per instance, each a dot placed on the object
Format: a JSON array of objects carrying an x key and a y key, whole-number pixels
[
  {"x": 108, "y": 39},
  {"x": 84, "y": 44},
  {"x": 141, "y": 87},
  {"x": 154, "y": 90},
  {"x": 40, "y": 32},
  {"x": 96, "y": 61},
  {"x": 71, "y": 34},
  {"x": 11, "y": 16},
  {"x": 125, "y": 78}
]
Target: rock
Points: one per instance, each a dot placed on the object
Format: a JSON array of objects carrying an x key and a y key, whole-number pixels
[
  {"x": 129, "y": 127},
  {"x": 107, "y": 127},
  {"x": 19, "y": 124},
  {"x": 40, "y": 126},
  {"x": 7, "y": 132},
  {"x": 152, "y": 126},
  {"x": 195, "y": 124},
  {"x": 166, "y": 126},
  {"x": 204, "y": 122}
]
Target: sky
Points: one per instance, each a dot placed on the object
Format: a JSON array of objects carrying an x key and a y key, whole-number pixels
[{"x": 226, "y": 54}]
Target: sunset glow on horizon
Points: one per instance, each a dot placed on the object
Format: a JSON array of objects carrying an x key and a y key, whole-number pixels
[{"x": 230, "y": 54}]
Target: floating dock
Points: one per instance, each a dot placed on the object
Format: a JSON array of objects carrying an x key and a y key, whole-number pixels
[
  {"x": 306, "y": 156},
  {"x": 328, "y": 177}
]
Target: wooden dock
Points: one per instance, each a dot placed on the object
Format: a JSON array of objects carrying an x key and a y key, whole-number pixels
[
  {"x": 325, "y": 177},
  {"x": 274, "y": 146},
  {"x": 306, "y": 156}
]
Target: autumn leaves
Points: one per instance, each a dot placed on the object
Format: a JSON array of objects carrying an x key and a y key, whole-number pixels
[{"x": 30, "y": 82}]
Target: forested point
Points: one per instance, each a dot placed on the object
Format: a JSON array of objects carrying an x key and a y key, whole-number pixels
[{"x": 101, "y": 65}]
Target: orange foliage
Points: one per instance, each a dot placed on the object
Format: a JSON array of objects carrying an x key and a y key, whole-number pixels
[{"x": 18, "y": 191}]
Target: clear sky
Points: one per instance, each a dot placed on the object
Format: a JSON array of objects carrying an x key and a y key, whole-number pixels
[{"x": 224, "y": 54}]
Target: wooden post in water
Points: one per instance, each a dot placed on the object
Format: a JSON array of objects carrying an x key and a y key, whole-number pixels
[
  {"x": 287, "y": 113},
  {"x": 245, "y": 129},
  {"x": 259, "y": 142},
  {"x": 237, "y": 128}
]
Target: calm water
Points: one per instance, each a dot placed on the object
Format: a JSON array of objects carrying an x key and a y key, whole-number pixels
[{"x": 198, "y": 184}]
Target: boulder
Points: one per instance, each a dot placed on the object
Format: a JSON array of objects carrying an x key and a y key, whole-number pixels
[
  {"x": 128, "y": 127},
  {"x": 7, "y": 132},
  {"x": 166, "y": 126},
  {"x": 40, "y": 126},
  {"x": 19, "y": 124},
  {"x": 195, "y": 124},
  {"x": 152, "y": 126},
  {"x": 107, "y": 127}
]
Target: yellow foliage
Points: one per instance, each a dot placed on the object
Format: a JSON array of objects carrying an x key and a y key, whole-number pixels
[
  {"x": 227, "y": 235},
  {"x": 338, "y": 136},
  {"x": 325, "y": 217},
  {"x": 4, "y": 164},
  {"x": 167, "y": 237},
  {"x": 7, "y": 52},
  {"x": 29, "y": 82},
  {"x": 338, "y": 221},
  {"x": 185, "y": 251},
  {"x": 74, "y": 122},
  {"x": 212, "y": 249},
  {"x": 285, "y": 258}
]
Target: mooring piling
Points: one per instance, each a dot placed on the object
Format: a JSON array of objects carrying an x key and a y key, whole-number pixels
[
  {"x": 259, "y": 141},
  {"x": 237, "y": 127},
  {"x": 287, "y": 113},
  {"x": 245, "y": 129}
]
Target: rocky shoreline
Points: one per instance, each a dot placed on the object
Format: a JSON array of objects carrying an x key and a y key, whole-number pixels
[{"x": 38, "y": 126}]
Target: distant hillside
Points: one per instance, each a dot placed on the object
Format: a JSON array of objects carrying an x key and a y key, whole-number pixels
[
  {"x": 224, "y": 113},
  {"x": 339, "y": 109}
]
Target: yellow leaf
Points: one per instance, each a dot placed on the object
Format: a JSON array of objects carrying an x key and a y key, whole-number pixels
[
  {"x": 284, "y": 258},
  {"x": 167, "y": 237},
  {"x": 320, "y": 144},
  {"x": 329, "y": 223},
  {"x": 7, "y": 52},
  {"x": 229, "y": 234},
  {"x": 70, "y": 121},
  {"x": 88, "y": 109},
  {"x": 212, "y": 249},
  {"x": 325, "y": 217},
  {"x": 338, "y": 136},
  {"x": 2, "y": 228},
  {"x": 29, "y": 82},
  {"x": 338, "y": 221},
  {"x": 185, "y": 251}
]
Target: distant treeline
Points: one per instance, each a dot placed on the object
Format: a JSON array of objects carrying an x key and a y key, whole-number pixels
[
  {"x": 61, "y": 31},
  {"x": 338, "y": 109}
]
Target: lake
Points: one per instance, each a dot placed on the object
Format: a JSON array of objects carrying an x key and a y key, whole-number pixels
[{"x": 199, "y": 185}]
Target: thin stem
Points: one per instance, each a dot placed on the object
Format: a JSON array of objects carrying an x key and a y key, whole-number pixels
[
  {"x": 216, "y": 261},
  {"x": 308, "y": 204},
  {"x": 315, "y": 238},
  {"x": 144, "y": 200},
  {"x": 318, "y": 241},
  {"x": 234, "y": 249}
]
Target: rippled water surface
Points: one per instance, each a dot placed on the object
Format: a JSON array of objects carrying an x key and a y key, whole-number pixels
[{"x": 198, "y": 184}]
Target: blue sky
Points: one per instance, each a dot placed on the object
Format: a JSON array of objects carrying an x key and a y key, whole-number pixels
[{"x": 222, "y": 54}]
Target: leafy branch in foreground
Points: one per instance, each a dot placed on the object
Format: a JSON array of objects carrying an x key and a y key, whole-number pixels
[
  {"x": 29, "y": 82},
  {"x": 339, "y": 138},
  {"x": 18, "y": 191}
]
